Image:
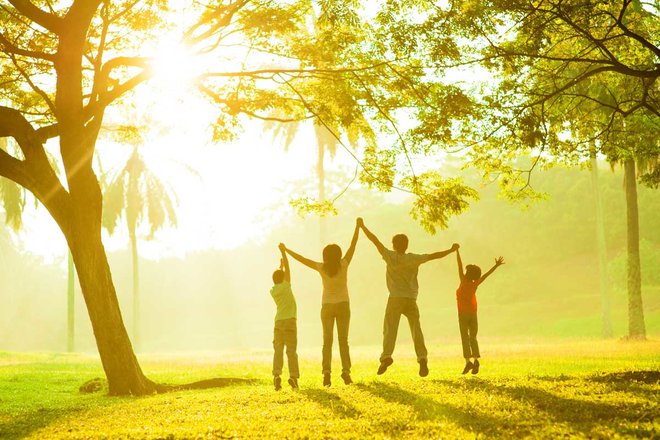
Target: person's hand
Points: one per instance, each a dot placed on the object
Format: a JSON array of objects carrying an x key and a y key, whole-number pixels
[
  {"x": 281, "y": 247},
  {"x": 499, "y": 261},
  {"x": 360, "y": 222},
  {"x": 455, "y": 246}
]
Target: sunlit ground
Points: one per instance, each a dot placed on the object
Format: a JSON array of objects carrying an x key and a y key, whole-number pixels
[{"x": 588, "y": 389}]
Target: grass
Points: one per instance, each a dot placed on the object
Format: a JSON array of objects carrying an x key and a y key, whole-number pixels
[{"x": 588, "y": 389}]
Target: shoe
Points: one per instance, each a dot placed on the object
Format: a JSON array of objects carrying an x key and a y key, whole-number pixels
[
  {"x": 293, "y": 382},
  {"x": 423, "y": 368},
  {"x": 468, "y": 366},
  {"x": 347, "y": 378},
  {"x": 277, "y": 382},
  {"x": 383, "y": 365},
  {"x": 475, "y": 369},
  {"x": 326, "y": 380}
]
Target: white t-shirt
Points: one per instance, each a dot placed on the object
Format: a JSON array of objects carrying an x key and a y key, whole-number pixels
[{"x": 335, "y": 289}]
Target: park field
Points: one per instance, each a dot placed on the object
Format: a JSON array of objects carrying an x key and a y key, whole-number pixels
[{"x": 577, "y": 389}]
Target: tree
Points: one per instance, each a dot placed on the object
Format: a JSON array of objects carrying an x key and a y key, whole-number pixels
[
  {"x": 64, "y": 65},
  {"x": 325, "y": 143},
  {"x": 637, "y": 150},
  {"x": 70, "y": 304},
  {"x": 139, "y": 194},
  {"x": 601, "y": 244},
  {"x": 566, "y": 76}
]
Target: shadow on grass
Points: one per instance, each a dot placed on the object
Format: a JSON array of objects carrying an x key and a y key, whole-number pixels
[
  {"x": 626, "y": 377},
  {"x": 30, "y": 422},
  {"x": 432, "y": 410},
  {"x": 581, "y": 415},
  {"x": 333, "y": 403},
  {"x": 218, "y": 382}
]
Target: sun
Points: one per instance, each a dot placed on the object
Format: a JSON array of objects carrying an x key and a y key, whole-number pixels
[{"x": 176, "y": 65}]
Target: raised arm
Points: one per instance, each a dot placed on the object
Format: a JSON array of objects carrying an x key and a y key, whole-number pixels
[
  {"x": 498, "y": 262},
  {"x": 441, "y": 254},
  {"x": 306, "y": 261},
  {"x": 351, "y": 249},
  {"x": 459, "y": 262},
  {"x": 284, "y": 264},
  {"x": 371, "y": 236}
]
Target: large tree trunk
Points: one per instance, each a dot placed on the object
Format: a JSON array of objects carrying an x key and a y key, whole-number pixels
[
  {"x": 136, "y": 290},
  {"x": 119, "y": 362},
  {"x": 606, "y": 315},
  {"x": 70, "y": 303},
  {"x": 81, "y": 220},
  {"x": 636, "y": 327}
]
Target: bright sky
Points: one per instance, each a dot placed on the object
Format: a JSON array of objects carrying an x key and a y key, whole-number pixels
[{"x": 238, "y": 193}]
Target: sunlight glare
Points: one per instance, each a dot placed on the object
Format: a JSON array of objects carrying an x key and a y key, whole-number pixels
[{"x": 175, "y": 65}]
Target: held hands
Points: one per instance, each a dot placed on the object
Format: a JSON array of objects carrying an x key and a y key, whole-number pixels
[
  {"x": 359, "y": 222},
  {"x": 455, "y": 246},
  {"x": 281, "y": 247},
  {"x": 499, "y": 261}
]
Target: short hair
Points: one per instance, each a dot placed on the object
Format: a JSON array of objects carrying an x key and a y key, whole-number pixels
[
  {"x": 472, "y": 272},
  {"x": 278, "y": 276},
  {"x": 400, "y": 242}
]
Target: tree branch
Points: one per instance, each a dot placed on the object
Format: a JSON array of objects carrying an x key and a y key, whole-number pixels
[
  {"x": 35, "y": 172},
  {"x": 13, "y": 169},
  {"x": 49, "y": 21},
  {"x": 224, "y": 16},
  {"x": 12, "y": 48}
]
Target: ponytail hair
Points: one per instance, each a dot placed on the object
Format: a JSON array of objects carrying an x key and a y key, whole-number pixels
[
  {"x": 472, "y": 272},
  {"x": 331, "y": 259}
]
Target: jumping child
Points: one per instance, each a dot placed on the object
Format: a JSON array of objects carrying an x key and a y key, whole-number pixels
[
  {"x": 466, "y": 300},
  {"x": 285, "y": 332}
]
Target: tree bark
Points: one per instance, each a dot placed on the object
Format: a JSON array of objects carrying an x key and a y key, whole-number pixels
[
  {"x": 636, "y": 326},
  {"x": 606, "y": 314},
  {"x": 119, "y": 362}
]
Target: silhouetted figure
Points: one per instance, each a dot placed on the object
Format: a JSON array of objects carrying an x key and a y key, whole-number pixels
[
  {"x": 466, "y": 300},
  {"x": 401, "y": 277},
  {"x": 285, "y": 333},
  {"x": 335, "y": 305}
]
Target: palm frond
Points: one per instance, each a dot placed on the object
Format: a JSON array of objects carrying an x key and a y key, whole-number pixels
[{"x": 13, "y": 200}]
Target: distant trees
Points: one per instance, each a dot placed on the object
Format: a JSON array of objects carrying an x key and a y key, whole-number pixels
[{"x": 13, "y": 201}]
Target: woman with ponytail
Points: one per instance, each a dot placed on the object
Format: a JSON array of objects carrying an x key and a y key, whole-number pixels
[{"x": 335, "y": 305}]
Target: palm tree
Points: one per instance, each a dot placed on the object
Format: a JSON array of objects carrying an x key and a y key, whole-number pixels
[
  {"x": 139, "y": 194},
  {"x": 326, "y": 143},
  {"x": 327, "y": 132}
]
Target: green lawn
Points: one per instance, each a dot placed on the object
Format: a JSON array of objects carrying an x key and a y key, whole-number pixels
[{"x": 588, "y": 389}]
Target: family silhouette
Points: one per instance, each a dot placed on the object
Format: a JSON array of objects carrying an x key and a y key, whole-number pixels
[{"x": 401, "y": 279}]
